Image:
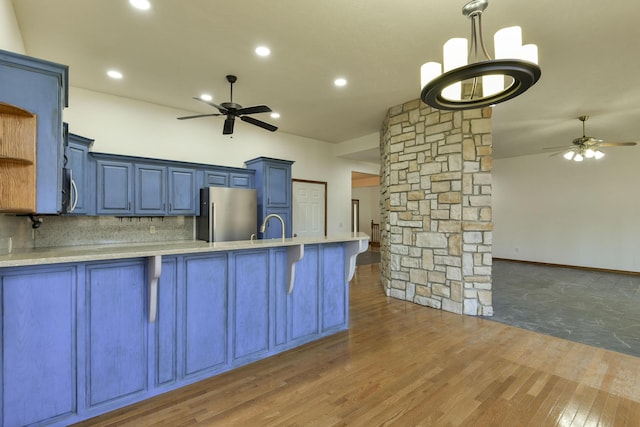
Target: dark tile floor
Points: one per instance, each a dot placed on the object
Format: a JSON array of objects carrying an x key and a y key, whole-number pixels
[{"x": 595, "y": 308}]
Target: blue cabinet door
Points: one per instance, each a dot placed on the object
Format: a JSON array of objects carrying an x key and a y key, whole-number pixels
[
  {"x": 250, "y": 302},
  {"x": 304, "y": 304},
  {"x": 115, "y": 325},
  {"x": 204, "y": 315},
  {"x": 335, "y": 289},
  {"x": 38, "y": 345},
  {"x": 150, "y": 190},
  {"x": 115, "y": 187},
  {"x": 278, "y": 185},
  {"x": 165, "y": 328},
  {"x": 182, "y": 191},
  {"x": 240, "y": 180},
  {"x": 78, "y": 162},
  {"x": 216, "y": 179}
]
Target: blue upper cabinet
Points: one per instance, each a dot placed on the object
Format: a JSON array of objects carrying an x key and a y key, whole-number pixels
[
  {"x": 182, "y": 191},
  {"x": 115, "y": 187},
  {"x": 273, "y": 184},
  {"x": 77, "y": 153},
  {"x": 150, "y": 189},
  {"x": 40, "y": 87}
]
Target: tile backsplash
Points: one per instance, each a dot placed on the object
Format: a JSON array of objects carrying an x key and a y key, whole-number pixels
[{"x": 16, "y": 231}]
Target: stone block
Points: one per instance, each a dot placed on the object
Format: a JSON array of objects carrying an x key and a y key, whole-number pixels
[
  {"x": 446, "y": 176},
  {"x": 418, "y": 276},
  {"x": 471, "y": 167},
  {"x": 477, "y": 226},
  {"x": 431, "y": 240},
  {"x": 455, "y": 244},
  {"x": 470, "y": 307},
  {"x": 427, "y": 259},
  {"x": 454, "y": 273},
  {"x": 468, "y": 150},
  {"x": 480, "y": 200},
  {"x": 437, "y": 277},
  {"x": 486, "y": 164},
  {"x": 428, "y": 302},
  {"x": 456, "y": 290},
  {"x": 415, "y": 195},
  {"x": 450, "y": 197},
  {"x": 439, "y": 128},
  {"x": 449, "y": 226},
  {"x": 480, "y": 126},
  {"x": 423, "y": 291},
  {"x": 452, "y": 306},
  {"x": 398, "y": 119},
  {"x": 485, "y": 298},
  {"x": 472, "y": 237},
  {"x": 440, "y": 214},
  {"x": 454, "y": 163},
  {"x": 397, "y": 294},
  {"x": 412, "y": 105},
  {"x": 441, "y": 186},
  {"x": 440, "y": 290},
  {"x": 449, "y": 149}
]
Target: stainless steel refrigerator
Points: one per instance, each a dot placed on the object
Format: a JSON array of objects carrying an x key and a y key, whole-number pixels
[{"x": 227, "y": 214}]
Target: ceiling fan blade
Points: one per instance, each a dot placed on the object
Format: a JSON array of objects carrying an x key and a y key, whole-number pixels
[
  {"x": 220, "y": 108},
  {"x": 564, "y": 147},
  {"x": 617, "y": 144},
  {"x": 196, "y": 116},
  {"x": 228, "y": 126},
  {"x": 256, "y": 122},
  {"x": 253, "y": 110}
]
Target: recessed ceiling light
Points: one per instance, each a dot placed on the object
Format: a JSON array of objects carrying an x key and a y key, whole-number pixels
[
  {"x": 114, "y": 74},
  {"x": 206, "y": 97},
  {"x": 275, "y": 115},
  {"x": 140, "y": 4},
  {"x": 263, "y": 51},
  {"x": 340, "y": 82}
]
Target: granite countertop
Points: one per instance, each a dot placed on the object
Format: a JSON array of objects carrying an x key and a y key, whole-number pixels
[{"x": 62, "y": 254}]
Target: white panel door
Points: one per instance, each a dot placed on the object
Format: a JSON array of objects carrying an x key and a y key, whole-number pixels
[{"x": 309, "y": 200}]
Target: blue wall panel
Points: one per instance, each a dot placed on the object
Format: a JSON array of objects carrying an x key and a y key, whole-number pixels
[{"x": 305, "y": 316}]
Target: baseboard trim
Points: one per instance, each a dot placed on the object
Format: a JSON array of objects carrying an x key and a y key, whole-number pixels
[{"x": 577, "y": 267}]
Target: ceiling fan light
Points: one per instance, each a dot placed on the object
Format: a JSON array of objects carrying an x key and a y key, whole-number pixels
[
  {"x": 569, "y": 155},
  {"x": 529, "y": 53},
  {"x": 578, "y": 157},
  {"x": 589, "y": 153},
  {"x": 598, "y": 154}
]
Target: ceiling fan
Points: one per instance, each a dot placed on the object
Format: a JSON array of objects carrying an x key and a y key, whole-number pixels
[
  {"x": 588, "y": 146},
  {"x": 233, "y": 110}
]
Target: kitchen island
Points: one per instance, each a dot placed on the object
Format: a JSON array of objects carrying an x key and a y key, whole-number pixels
[{"x": 86, "y": 330}]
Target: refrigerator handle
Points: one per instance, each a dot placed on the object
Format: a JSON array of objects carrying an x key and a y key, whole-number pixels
[{"x": 212, "y": 220}]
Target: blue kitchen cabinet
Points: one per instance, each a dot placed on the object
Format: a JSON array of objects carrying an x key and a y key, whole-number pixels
[
  {"x": 250, "y": 305},
  {"x": 114, "y": 323},
  {"x": 274, "y": 188},
  {"x": 150, "y": 190},
  {"x": 304, "y": 301},
  {"x": 182, "y": 191},
  {"x": 38, "y": 324},
  {"x": 114, "y": 191},
  {"x": 40, "y": 87},
  {"x": 204, "y": 315},
  {"x": 215, "y": 178},
  {"x": 240, "y": 180},
  {"x": 335, "y": 289},
  {"x": 164, "y": 331},
  {"x": 77, "y": 153}
]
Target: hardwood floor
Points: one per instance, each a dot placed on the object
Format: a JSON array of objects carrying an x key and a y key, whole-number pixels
[{"x": 406, "y": 365}]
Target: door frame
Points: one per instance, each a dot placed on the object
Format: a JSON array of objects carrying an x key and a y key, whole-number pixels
[{"x": 326, "y": 197}]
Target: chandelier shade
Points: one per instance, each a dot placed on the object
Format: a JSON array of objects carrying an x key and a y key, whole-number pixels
[{"x": 485, "y": 82}]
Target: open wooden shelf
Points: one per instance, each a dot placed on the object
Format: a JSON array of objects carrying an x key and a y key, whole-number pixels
[{"x": 18, "y": 138}]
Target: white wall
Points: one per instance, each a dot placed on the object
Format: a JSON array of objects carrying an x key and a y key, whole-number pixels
[
  {"x": 369, "y": 198},
  {"x": 548, "y": 209},
  {"x": 125, "y": 126},
  {"x": 10, "y": 37}
]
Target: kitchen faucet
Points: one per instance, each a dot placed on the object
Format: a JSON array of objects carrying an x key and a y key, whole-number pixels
[{"x": 264, "y": 223}]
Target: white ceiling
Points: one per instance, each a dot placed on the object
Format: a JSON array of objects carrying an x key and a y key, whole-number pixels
[{"x": 181, "y": 48}]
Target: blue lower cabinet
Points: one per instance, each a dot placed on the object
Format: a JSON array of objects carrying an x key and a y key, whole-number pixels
[
  {"x": 38, "y": 345},
  {"x": 165, "y": 328},
  {"x": 335, "y": 292},
  {"x": 251, "y": 301},
  {"x": 204, "y": 314},
  {"x": 116, "y": 330},
  {"x": 77, "y": 340},
  {"x": 304, "y": 315}
]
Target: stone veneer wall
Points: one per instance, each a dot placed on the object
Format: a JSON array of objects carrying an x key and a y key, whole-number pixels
[{"x": 436, "y": 227}]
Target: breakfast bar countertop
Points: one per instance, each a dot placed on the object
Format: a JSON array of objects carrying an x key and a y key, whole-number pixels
[{"x": 64, "y": 254}]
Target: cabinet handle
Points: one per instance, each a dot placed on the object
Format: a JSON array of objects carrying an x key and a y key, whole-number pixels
[{"x": 74, "y": 196}]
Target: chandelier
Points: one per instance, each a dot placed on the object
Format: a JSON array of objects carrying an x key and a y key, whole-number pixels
[{"x": 486, "y": 81}]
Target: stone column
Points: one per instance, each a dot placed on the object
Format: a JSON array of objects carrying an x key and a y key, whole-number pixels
[{"x": 436, "y": 224}]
